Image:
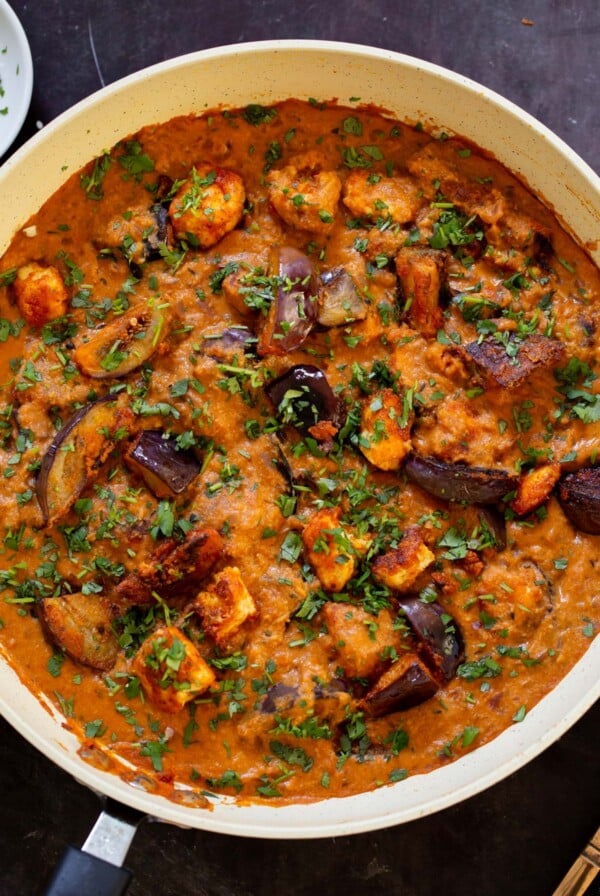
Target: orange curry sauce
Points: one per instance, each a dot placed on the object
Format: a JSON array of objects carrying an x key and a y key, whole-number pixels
[{"x": 289, "y": 589}]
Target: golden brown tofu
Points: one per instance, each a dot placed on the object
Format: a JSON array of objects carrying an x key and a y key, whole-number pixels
[
  {"x": 329, "y": 549},
  {"x": 171, "y": 670},
  {"x": 362, "y": 643},
  {"x": 398, "y": 569},
  {"x": 534, "y": 488},
  {"x": 372, "y": 196},
  {"x": 385, "y": 430},
  {"x": 225, "y": 606},
  {"x": 304, "y": 195},
  {"x": 209, "y": 204},
  {"x": 41, "y": 293},
  {"x": 420, "y": 273}
]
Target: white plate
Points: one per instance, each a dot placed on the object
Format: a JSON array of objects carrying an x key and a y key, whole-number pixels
[{"x": 16, "y": 76}]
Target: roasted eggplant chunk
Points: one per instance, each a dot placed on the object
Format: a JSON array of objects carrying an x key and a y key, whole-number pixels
[
  {"x": 81, "y": 625},
  {"x": 406, "y": 683},
  {"x": 166, "y": 469},
  {"x": 340, "y": 303},
  {"x": 172, "y": 568},
  {"x": 579, "y": 497},
  {"x": 440, "y": 639},
  {"x": 293, "y": 312},
  {"x": 459, "y": 482},
  {"x": 122, "y": 345},
  {"x": 76, "y": 455},
  {"x": 510, "y": 369},
  {"x": 302, "y": 396},
  {"x": 228, "y": 343}
]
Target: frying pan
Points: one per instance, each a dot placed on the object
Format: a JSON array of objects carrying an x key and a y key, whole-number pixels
[{"x": 411, "y": 90}]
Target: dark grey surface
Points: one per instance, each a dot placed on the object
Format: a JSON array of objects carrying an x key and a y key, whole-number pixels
[{"x": 520, "y": 836}]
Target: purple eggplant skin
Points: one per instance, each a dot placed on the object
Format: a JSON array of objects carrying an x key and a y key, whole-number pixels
[
  {"x": 279, "y": 697},
  {"x": 459, "y": 482},
  {"x": 495, "y": 522},
  {"x": 293, "y": 313},
  {"x": 317, "y": 400},
  {"x": 339, "y": 300},
  {"x": 166, "y": 469},
  {"x": 228, "y": 343},
  {"x": 441, "y": 641},
  {"x": 64, "y": 474},
  {"x": 405, "y": 684},
  {"x": 579, "y": 497}
]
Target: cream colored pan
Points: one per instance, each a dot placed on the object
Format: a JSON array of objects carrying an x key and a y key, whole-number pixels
[{"x": 410, "y": 90}]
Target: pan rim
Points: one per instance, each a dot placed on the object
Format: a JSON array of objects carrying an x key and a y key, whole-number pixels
[{"x": 417, "y": 796}]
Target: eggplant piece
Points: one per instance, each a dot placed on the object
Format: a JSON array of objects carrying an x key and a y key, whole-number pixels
[
  {"x": 495, "y": 522},
  {"x": 406, "y": 683},
  {"x": 76, "y": 455},
  {"x": 579, "y": 497},
  {"x": 122, "y": 345},
  {"x": 303, "y": 397},
  {"x": 161, "y": 235},
  {"x": 173, "y": 568},
  {"x": 279, "y": 698},
  {"x": 459, "y": 482},
  {"x": 440, "y": 639},
  {"x": 293, "y": 312},
  {"x": 81, "y": 625},
  {"x": 166, "y": 469},
  {"x": 509, "y": 370},
  {"x": 339, "y": 300},
  {"x": 232, "y": 340}
]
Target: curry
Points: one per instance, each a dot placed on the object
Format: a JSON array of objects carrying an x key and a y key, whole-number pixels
[{"x": 299, "y": 428}]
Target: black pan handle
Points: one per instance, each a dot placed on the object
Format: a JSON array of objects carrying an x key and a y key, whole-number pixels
[
  {"x": 82, "y": 874},
  {"x": 96, "y": 869}
]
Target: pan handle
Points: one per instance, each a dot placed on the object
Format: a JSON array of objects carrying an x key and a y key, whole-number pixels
[
  {"x": 95, "y": 869},
  {"x": 82, "y": 874}
]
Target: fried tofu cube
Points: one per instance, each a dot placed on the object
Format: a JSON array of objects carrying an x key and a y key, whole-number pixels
[
  {"x": 362, "y": 642},
  {"x": 385, "y": 434},
  {"x": 534, "y": 488},
  {"x": 207, "y": 205},
  {"x": 41, "y": 293},
  {"x": 171, "y": 670},
  {"x": 400, "y": 568},
  {"x": 420, "y": 272},
  {"x": 329, "y": 549},
  {"x": 225, "y": 606}
]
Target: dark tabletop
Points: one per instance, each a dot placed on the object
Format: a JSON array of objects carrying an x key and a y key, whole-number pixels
[{"x": 518, "y": 837}]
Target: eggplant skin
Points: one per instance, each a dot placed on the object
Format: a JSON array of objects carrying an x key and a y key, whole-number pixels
[
  {"x": 405, "y": 684},
  {"x": 579, "y": 497},
  {"x": 293, "y": 312},
  {"x": 459, "y": 482},
  {"x": 165, "y": 469},
  {"x": 122, "y": 345},
  {"x": 441, "y": 642},
  {"x": 81, "y": 625},
  {"x": 316, "y": 402},
  {"x": 76, "y": 455}
]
